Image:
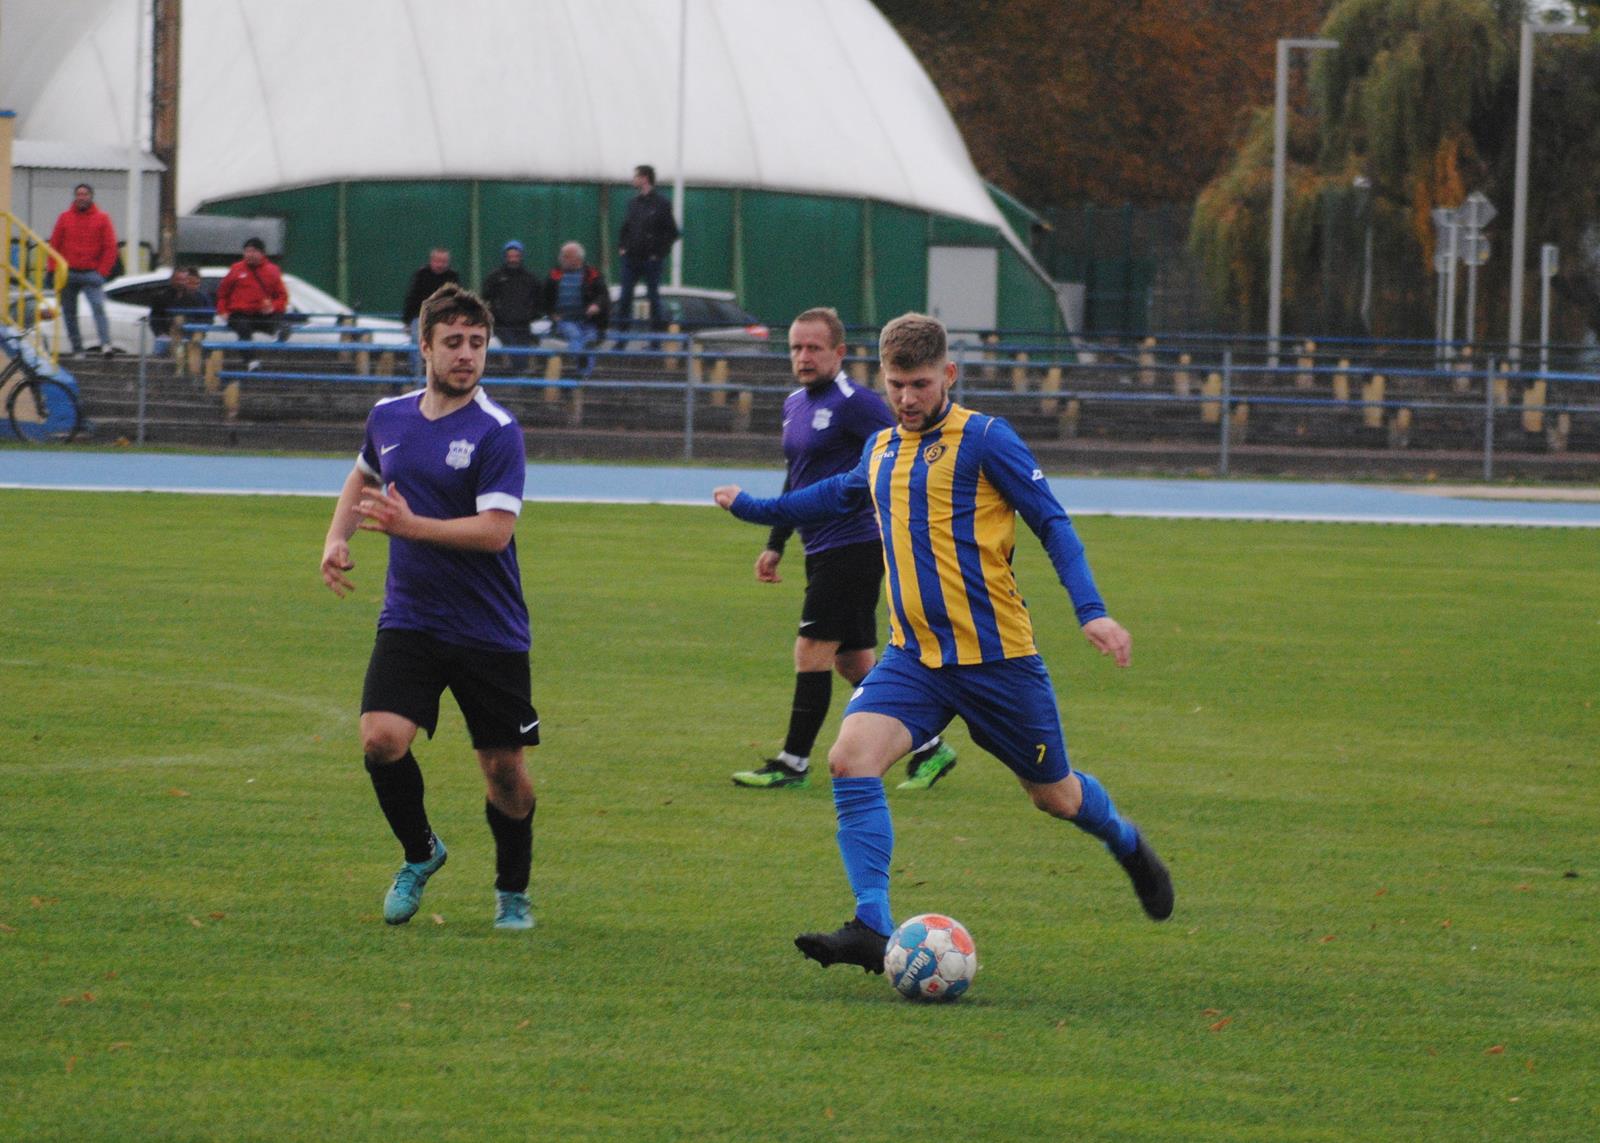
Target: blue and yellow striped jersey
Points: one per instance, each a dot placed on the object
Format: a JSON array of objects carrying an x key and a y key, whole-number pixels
[{"x": 947, "y": 501}]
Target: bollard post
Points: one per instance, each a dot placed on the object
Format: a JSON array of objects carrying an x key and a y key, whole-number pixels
[
  {"x": 144, "y": 329},
  {"x": 1227, "y": 402},
  {"x": 1488, "y": 419}
]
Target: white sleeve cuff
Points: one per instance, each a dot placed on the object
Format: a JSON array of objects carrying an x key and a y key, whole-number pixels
[{"x": 500, "y": 501}]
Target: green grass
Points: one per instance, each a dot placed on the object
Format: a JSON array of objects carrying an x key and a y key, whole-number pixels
[{"x": 1367, "y": 752}]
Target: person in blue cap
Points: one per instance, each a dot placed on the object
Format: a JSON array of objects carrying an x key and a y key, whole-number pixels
[{"x": 514, "y": 297}]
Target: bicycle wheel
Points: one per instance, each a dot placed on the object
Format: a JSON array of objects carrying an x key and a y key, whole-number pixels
[{"x": 43, "y": 412}]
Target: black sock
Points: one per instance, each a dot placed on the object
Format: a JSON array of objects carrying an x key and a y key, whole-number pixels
[
  {"x": 813, "y": 690},
  {"x": 513, "y": 848},
  {"x": 399, "y": 789}
]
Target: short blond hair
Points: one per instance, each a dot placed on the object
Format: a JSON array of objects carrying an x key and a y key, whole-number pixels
[
  {"x": 828, "y": 316},
  {"x": 913, "y": 340}
]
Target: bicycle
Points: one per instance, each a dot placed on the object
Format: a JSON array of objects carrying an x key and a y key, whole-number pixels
[{"x": 40, "y": 409}]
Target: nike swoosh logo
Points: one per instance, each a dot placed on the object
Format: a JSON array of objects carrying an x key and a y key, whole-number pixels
[
  {"x": 809, "y": 623},
  {"x": 530, "y": 726},
  {"x": 387, "y": 449}
]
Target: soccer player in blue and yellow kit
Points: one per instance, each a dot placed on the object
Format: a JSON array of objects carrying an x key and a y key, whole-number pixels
[
  {"x": 947, "y": 485},
  {"x": 441, "y": 473}
]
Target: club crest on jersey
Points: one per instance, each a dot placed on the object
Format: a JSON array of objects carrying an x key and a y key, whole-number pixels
[
  {"x": 932, "y": 453},
  {"x": 460, "y": 454},
  {"x": 821, "y": 419}
]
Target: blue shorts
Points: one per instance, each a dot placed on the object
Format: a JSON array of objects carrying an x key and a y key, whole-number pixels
[{"x": 1009, "y": 706}]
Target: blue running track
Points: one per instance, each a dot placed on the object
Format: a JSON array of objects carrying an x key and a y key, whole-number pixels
[{"x": 645, "y": 484}]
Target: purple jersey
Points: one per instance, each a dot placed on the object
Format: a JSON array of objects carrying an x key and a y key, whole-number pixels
[
  {"x": 467, "y": 462},
  {"x": 825, "y": 428}
]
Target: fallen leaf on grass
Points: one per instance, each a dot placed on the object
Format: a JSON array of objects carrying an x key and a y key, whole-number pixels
[
  {"x": 174, "y": 792},
  {"x": 1221, "y": 1024},
  {"x": 1383, "y": 891},
  {"x": 1529, "y": 1064},
  {"x": 521, "y": 1024},
  {"x": 119, "y": 1046},
  {"x": 1060, "y": 1024},
  {"x": 41, "y": 902},
  {"x": 111, "y": 974},
  {"x": 404, "y": 1006},
  {"x": 1325, "y": 939},
  {"x": 88, "y": 998},
  {"x": 72, "y": 1062},
  {"x": 438, "y": 920},
  {"x": 1497, "y": 1050},
  {"x": 1212, "y": 1012},
  {"x": 1514, "y": 1099},
  {"x": 1524, "y": 888},
  {"x": 1445, "y": 924},
  {"x": 197, "y": 922},
  {"x": 215, "y": 916},
  {"x": 827, "y": 1113},
  {"x": 5, "y": 928}
]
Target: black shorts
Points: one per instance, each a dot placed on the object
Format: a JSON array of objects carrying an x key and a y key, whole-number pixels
[
  {"x": 409, "y": 670},
  {"x": 842, "y": 596}
]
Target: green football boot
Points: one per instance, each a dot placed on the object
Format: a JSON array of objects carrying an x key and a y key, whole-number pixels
[
  {"x": 922, "y": 775},
  {"x": 773, "y": 776}
]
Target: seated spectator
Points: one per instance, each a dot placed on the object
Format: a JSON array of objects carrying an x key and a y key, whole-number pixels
[
  {"x": 252, "y": 299},
  {"x": 578, "y": 302},
  {"x": 514, "y": 296},
  {"x": 425, "y": 281},
  {"x": 181, "y": 297}
]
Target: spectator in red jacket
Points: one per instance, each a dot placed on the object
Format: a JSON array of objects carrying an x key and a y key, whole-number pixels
[
  {"x": 251, "y": 297},
  {"x": 85, "y": 237}
]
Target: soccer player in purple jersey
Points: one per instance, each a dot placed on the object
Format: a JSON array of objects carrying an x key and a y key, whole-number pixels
[
  {"x": 441, "y": 474},
  {"x": 826, "y": 422}
]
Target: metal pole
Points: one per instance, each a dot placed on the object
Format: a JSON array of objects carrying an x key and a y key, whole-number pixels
[
  {"x": 1488, "y": 419},
  {"x": 1472, "y": 293},
  {"x": 144, "y": 329},
  {"x": 1547, "y": 258},
  {"x": 688, "y": 401},
  {"x": 677, "y": 182},
  {"x": 1366, "y": 276},
  {"x": 1227, "y": 399},
  {"x": 131, "y": 231},
  {"x": 1438, "y": 319},
  {"x": 1519, "y": 206},
  {"x": 1280, "y": 148},
  {"x": 1453, "y": 255}
]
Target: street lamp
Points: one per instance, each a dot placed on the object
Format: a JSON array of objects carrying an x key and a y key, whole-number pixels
[
  {"x": 1280, "y": 148},
  {"x": 1558, "y": 20}
]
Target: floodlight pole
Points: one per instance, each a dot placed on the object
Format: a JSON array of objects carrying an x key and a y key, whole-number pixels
[
  {"x": 1280, "y": 151},
  {"x": 132, "y": 234},
  {"x": 677, "y": 181},
  {"x": 1519, "y": 205}
]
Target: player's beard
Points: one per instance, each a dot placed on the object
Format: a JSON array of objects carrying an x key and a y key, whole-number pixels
[{"x": 449, "y": 386}]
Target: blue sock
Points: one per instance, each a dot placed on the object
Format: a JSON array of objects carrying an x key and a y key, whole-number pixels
[
  {"x": 866, "y": 839},
  {"x": 1098, "y": 816}
]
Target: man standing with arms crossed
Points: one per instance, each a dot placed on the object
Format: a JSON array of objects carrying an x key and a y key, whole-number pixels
[
  {"x": 826, "y": 422},
  {"x": 947, "y": 484},
  {"x": 441, "y": 473}
]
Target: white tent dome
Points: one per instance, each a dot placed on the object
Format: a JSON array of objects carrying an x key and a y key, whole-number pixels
[{"x": 815, "y": 96}]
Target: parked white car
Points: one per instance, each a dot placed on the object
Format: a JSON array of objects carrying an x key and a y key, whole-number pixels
[{"x": 314, "y": 316}]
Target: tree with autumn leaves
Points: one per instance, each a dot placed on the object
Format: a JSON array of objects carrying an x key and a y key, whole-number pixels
[{"x": 1416, "y": 109}]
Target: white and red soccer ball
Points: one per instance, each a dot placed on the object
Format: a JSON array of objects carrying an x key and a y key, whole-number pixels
[{"x": 931, "y": 957}]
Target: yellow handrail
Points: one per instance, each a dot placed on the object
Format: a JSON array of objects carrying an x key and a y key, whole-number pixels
[{"x": 27, "y": 300}]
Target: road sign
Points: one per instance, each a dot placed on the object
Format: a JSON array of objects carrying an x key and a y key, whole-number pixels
[
  {"x": 1477, "y": 212},
  {"x": 1443, "y": 217},
  {"x": 1473, "y": 247},
  {"x": 1550, "y": 259}
]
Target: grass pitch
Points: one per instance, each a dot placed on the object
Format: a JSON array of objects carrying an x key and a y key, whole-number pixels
[{"x": 1368, "y": 754}]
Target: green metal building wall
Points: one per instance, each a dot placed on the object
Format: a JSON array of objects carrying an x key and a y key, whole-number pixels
[{"x": 780, "y": 252}]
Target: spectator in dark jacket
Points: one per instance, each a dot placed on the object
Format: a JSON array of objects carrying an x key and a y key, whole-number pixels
[
  {"x": 515, "y": 297},
  {"x": 648, "y": 232},
  {"x": 180, "y": 297},
  {"x": 85, "y": 237},
  {"x": 426, "y": 280},
  {"x": 576, "y": 298}
]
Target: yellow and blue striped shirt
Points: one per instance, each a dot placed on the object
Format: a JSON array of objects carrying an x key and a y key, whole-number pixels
[{"x": 946, "y": 501}]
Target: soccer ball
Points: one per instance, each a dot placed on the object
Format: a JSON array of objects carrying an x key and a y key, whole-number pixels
[{"x": 931, "y": 957}]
